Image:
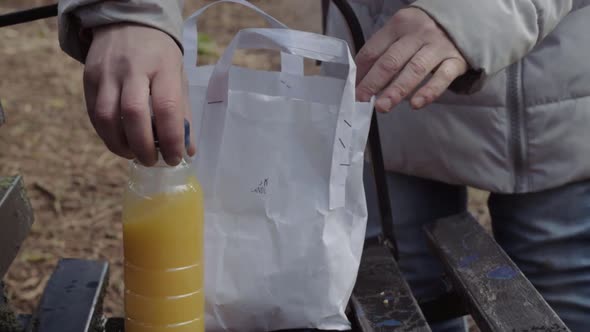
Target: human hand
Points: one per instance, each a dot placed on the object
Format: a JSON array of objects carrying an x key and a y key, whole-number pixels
[
  {"x": 125, "y": 64},
  {"x": 400, "y": 56}
]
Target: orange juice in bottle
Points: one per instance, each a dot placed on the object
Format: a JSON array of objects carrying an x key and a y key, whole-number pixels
[{"x": 163, "y": 246}]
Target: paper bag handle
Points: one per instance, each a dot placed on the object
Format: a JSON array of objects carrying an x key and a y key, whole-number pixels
[
  {"x": 289, "y": 64},
  {"x": 299, "y": 43},
  {"x": 306, "y": 45}
]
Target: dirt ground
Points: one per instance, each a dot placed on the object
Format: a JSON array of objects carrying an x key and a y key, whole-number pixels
[{"x": 73, "y": 182}]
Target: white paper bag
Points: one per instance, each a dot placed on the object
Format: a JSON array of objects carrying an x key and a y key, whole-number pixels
[{"x": 280, "y": 159}]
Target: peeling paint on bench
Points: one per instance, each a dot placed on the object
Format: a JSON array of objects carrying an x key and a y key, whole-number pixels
[{"x": 495, "y": 291}]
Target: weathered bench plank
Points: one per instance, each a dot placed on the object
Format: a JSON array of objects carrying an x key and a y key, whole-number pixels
[
  {"x": 16, "y": 218},
  {"x": 495, "y": 291},
  {"x": 382, "y": 300},
  {"x": 72, "y": 300}
]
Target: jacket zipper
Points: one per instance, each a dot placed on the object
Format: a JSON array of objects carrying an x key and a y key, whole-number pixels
[{"x": 517, "y": 139}]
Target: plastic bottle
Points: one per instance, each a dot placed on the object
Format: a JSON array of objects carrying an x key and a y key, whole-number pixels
[{"x": 163, "y": 246}]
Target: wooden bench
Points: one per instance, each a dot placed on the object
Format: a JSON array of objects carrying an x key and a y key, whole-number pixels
[
  {"x": 382, "y": 300},
  {"x": 487, "y": 282},
  {"x": 491, "y": 288}
]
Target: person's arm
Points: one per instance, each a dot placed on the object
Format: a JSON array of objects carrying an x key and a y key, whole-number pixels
[
  {"x": 132, "y": 54},
  {"x": 494, "y": 34},
  {"x": 77, "y": 17},
  {"x": 466, "y": 39}
]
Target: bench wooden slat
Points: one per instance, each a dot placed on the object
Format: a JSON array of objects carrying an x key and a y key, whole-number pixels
[
  {"x": 16, "y": 218},
  {"x": 382, "y": 300},
  {"x": 495, "y": 291},
  {"x": 72, "y": 300}
]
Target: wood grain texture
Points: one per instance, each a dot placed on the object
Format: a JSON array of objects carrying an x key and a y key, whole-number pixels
[
  {"x": 382, "y": 300},
  {"x": 72, "y": 300},
  {"x": 495, "y": 291}
]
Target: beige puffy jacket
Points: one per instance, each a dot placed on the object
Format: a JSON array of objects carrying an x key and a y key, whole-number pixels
[{"x": 525, "y": 124}]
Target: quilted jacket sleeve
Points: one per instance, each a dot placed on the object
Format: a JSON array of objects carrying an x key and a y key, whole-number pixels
[
  {"x": 77, "y": 16},
  {"x": 493, "y": 34}
]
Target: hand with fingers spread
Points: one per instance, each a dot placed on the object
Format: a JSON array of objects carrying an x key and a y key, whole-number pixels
[
  {"x": 401, "y": 56},
  {"x": 126, "y": 66}
]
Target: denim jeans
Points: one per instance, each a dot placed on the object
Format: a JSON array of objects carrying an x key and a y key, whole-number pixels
[{"x": 547, "y": 234}]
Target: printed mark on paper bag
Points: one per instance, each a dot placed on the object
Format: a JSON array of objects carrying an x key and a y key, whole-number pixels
[
  {"x": 286, "y": 84},
  {"x": 261, "y": 188}
]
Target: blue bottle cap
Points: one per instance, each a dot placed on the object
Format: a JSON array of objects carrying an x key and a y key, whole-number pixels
[{"x": 187, "y": 133}]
